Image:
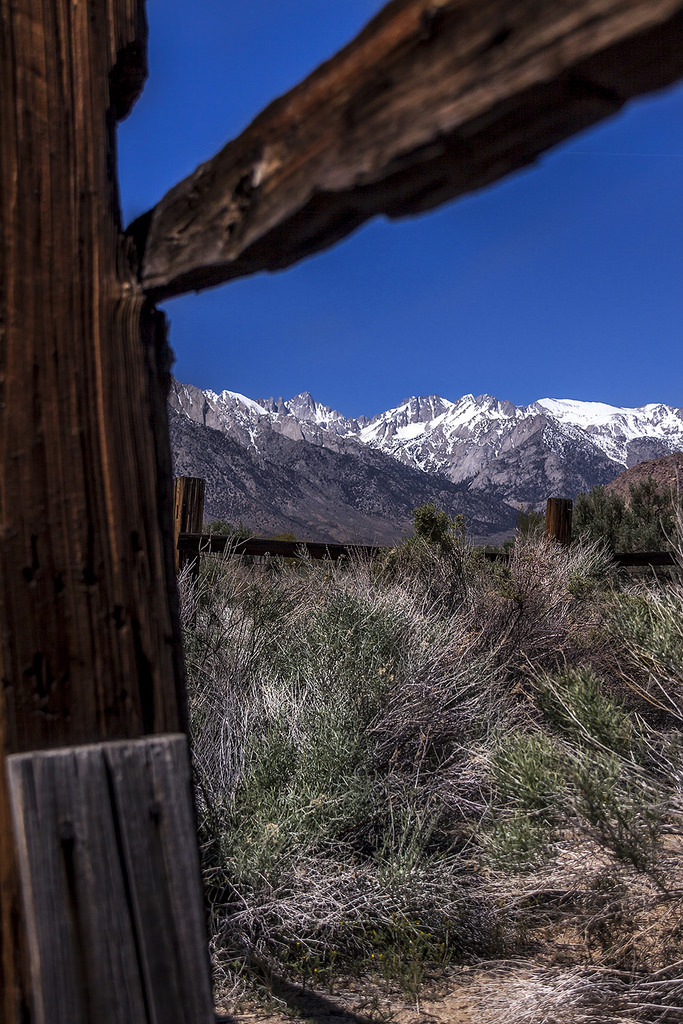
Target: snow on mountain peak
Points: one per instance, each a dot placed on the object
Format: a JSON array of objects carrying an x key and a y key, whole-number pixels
[
  {"x": 584, "y": 414},
  {"x": 614, "y": 428},
  {"x": 478, "y": 440},
  {"x": 458, "y": 438},
  {"x": 235, "y": 398}
]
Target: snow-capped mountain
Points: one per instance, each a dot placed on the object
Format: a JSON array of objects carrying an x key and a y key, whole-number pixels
[
  {"x": 620, "y": 433},
  {"x": 525, "y": 452},
  {"x": 518, "y": 454},
  {"x": 279, "y": 473},
  {"x": 300, "y": 419}
]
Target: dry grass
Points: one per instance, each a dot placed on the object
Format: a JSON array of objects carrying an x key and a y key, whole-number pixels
[{"x": 409, "y": 765}]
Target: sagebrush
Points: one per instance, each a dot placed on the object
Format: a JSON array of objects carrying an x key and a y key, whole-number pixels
[{"x": 408, "y": 763}]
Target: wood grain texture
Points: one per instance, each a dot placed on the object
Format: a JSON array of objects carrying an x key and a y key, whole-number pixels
[
  {"x": 110, "y": 884},
  {"x": 188, "y": 513},
  {"x": 89, "y": 643},
  {"x": 558, "y": 520},
  {"x": 89, "y": 639},
  {"x": 435, "y": 98}
]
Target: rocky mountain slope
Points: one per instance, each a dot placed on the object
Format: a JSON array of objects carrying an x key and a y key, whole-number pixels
[
  {"x": 525, "y": 453},
  {"x": 301, "y": 463},
  {"x": 666, "y": 472},
  {"x": 350, "y": 494}
]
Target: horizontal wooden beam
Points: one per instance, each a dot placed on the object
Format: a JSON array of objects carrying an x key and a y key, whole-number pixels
[
  {"x": 212, "y": 543},
  {"x": 204, "y": 544},
  {"x": 434, "y": 99},
  {"x": 646, "y": 558}
]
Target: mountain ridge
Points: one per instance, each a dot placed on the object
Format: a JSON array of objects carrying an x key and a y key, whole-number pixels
[
  {"x": 477, "y": 453},
  {"x": 665, "y": 472},
  {"x": 340, "y": 493}
]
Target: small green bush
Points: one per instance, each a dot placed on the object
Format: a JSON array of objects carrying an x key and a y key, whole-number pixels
[
  {"x": 527, "y": 771},
  {"x": 646, "y": 522},
  {"x": 530, "y": 523},
  {"x": 435, "y": 526},
  {"x": 574, "y": 700},
  {"x": 224, "y": 528},
  {"x": 517, "y": 842},
  {"x": 625, "y": 810},
  {"x": 528, "y": 795}
]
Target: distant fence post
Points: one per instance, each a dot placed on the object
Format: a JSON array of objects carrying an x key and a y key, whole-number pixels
[
  {"x": 188, "y": 513},
  {"x": 558, "y": 520}
]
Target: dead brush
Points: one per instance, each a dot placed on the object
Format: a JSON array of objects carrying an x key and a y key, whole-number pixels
[
  {"x": 372, "y": 752},
  {"x": 595, "y": 996},
  {"x": 540, "y": 609}
]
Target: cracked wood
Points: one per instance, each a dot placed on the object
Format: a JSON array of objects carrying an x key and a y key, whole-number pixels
[
  {"x": 435, "y": 98},
  {"x": 110, "y": 883},
  {"x": 89, "y": 642},
  {"x": 89, "y": 635}
]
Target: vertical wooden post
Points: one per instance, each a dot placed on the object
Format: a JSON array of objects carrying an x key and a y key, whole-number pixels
[
  {"x": 188, "y": 512},
  {"x": 558, "y": 520},
  {"x": 90, "y": 650}
]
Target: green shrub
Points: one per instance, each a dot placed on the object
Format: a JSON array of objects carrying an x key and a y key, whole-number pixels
[
  {"x": 435, "y": 526},
  {"x": 646, "y": 625},
  {"x": 224, "y": 528},
  {"x": 518, "y": 843},
  {"x": 429, "y": 738},
  {"x": 574, "y": 701},
  {"x": 530, "y": 523},
  {"x": 527, "y": 772},
  {"x": 598, "y": 518},
  {"x": 625, "y": 810},
  {"x": 646, "y": 522}
]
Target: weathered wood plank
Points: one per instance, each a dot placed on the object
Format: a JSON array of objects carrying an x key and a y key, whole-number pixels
[
  {"x": 188, "y": 512},
  {"x": 558, "y": 520},
  {"x": 86, "y": 575},
  {"x": 110, "y": 883},
  {"x": 196, "y": 544},
  {"x": 70, "y": 878},
  {"x": 89, "y": 637},
  {"x": 435, "y": 98},
  {"x": 158, "y": 842}
]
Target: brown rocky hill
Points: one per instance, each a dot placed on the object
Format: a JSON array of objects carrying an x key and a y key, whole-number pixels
[{"x": 666, "y": 471}]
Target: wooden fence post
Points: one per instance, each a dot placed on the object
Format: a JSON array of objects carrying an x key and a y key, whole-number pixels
[
  {"x": 99, "y": 867},
  {"x": 188, "y": 514},
  {"x": 558, "y": 520}
]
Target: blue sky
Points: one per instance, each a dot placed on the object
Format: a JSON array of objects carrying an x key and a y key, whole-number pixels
[{"x": 564, "y": 280}]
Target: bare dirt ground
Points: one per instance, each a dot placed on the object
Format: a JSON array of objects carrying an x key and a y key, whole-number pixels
[
  {"x": 621, "y": 966},
  {"x": 470, "y": 996}
]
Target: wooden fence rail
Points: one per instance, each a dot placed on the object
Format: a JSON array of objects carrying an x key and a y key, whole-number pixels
[
  {"x": 190, "y": 544},
  {"x": 195, "y": 545},
  {"x": 646, "y": 558}
]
